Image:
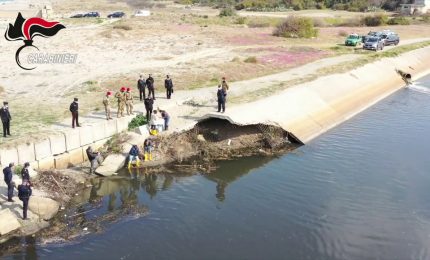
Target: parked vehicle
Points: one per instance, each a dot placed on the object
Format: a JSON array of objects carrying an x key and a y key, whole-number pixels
[
  {"x": 390, "y": 39},
  {"x": 116, "y": 15},
  {"x": 371, "y": 34},
  {"x": 92, "y": 14},
  {"x": 353, "y": 40},
  {"x": 77, "y": 16},
  {"x": 374, "y": 43}
]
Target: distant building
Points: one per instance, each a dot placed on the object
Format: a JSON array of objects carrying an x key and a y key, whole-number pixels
[{"x": 415, "y": 7}]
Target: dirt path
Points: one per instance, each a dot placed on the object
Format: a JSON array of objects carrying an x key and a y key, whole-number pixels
[{"x": 186, "y": 107}]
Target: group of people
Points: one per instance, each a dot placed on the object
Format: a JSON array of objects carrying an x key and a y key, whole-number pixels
[
  {"x": 135, "y": 156},
  {"x": 24, "y": 189}
]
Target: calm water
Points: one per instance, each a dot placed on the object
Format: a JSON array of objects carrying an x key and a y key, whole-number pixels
[{"x": 360, "y": 191}]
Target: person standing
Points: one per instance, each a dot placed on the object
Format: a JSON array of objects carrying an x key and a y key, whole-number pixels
[
  {"x": 149, "y": 103},
  {"x": 74, "y": 107},
  {"x": 129, "y": 101},
  {"x": 24, "y": 193},
  {"x": 93, "y": 157},
  {"x": 141, "y": 85},
  {"x": 106, "y": 104},
  {"x": 8, "y": 180},
  {"x": 221, "y": 94},
  {"x": 224, "y": 85},
  {"x": 168, "y": 84},
  {"x": 121, "y": 101},
  {"x": 166, "y": 118},
  {"x": 151, "y": 86},
  {"x": 25, "y": 175},
  {"x": 5, "y": 118}
]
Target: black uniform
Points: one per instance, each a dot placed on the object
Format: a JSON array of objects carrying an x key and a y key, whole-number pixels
[
  {"x": 74, "y": 107},
  {"x": 148, "y": 106},
  {"x": 24, "y": 193},
  {"x": 8, "y": 180},
  {"x": 151, "y": 87},
  {"x": 141, "y": 85},
  {"x": 25, "y": 174},
  {"x": 168, "y": 84},
  {"x": 5, "y": 119},
  {"x": 221, "y": 94}
]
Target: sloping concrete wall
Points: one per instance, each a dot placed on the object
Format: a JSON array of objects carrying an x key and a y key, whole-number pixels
[
  {"x": 65, "y": 148},
  {"x": 310, "y": 109}
]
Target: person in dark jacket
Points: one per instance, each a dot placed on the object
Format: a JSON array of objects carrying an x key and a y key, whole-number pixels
[
  {"x": 94, "y": 158},
  {"x": 168, "y": 84},
  {"x": 5, "y": 118},
  {"x": 221, "y": 94},
  {"x": 141, "y": 85},
  {"x": 74, "y": 107},
  {"x": 149, "y": 104},
  {"x": 151, "y": 87},
  {"x": 8, "y": 180},
  {"x": 25, "y": 175},
  {"x": 133, "y": 155},
  {"x": 24, "y": 193}
]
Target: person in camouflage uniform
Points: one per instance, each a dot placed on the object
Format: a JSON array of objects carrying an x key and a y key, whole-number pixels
[
  {"x": 106, "y": 103},
  {"x": 129, "y": 102},
  {"x": 121, "y": 101}
]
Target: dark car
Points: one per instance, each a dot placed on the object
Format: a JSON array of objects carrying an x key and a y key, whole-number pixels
[
  {"x": 77, "y": 16},
  {"x": 374, "y": 43},
  {"x": 390, "y": 39},
  {"x": 116, "y": 15},
  {"x": 92, "y": 14}
]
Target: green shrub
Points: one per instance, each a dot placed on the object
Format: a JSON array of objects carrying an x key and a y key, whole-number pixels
[
  {"x": 375, "y": 20},
  {"x": 252, "y": 59},
  {"x": 17, "y": 170},
  {"x": 241, "y": 20},
  {"x": 139, "y": 120},
  {"x": 296, "y": 27},
  {"x": 227, "y": 11},
  {"x": 398, "y": 21},
  {"x": 426, "y": 18}
]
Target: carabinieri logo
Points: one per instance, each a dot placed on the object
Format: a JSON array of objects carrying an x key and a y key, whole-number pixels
[{"x": 26, "y": 29}]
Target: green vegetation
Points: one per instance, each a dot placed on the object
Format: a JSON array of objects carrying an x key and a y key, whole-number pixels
[
  {"x": 227, "y": 11},
  {"x": 296, "y": 27},
  {"x": 17, "y": 170},
  {"x": 115, "y": 144},
  {"x": 375, "y": 20},
  {"x": 399, "y": 21},
  {"x": 139, "y": 120}
]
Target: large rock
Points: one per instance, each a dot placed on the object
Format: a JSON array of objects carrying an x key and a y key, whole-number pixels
[
  {"x": 111, "y": 165},
  {"x": 45, "y": 208},
  {"x": 8, "y": 222}
]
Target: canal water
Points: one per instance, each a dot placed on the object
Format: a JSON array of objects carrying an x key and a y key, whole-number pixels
[{"x": 360, "y": 191}]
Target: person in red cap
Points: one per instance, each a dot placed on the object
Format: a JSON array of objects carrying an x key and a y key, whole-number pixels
[
  {"x": 120, "y": 96},
  {"x": 106, "y": 103},
  {"x": 129, "y": 102}
]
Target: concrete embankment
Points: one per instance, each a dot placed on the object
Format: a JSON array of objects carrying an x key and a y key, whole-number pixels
[{"x": 310, "y": 109}]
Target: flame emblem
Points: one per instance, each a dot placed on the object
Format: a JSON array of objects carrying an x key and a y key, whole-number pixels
[{"x": 26, "y": 29}]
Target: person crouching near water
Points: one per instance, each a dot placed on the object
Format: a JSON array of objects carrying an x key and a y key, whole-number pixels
[
  {"x": 221, "y": 95},
  {"x": 24, "y": 193},
  {"x": 133, "y": 155},
  {"x": 94, "y": 158},
  {"x": 148, "y": 146}
]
